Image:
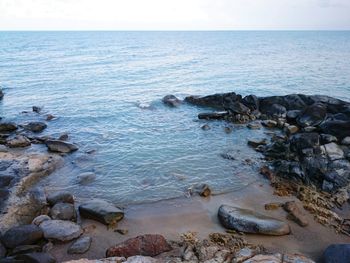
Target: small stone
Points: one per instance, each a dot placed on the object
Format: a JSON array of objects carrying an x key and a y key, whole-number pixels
[
  {"x": 60, "y": 230},
  {"x": 49, "y": 117},
  {"x": 171, "y": 100},
  {"x": 21, "y": 235},
  {"x": 18, "y": 141},
  {"x": 269, "y": 123},
  {"x": 291, "y": 129},
  {"x": 47, "y": 247},
  {"x": 205, "y": 127},
  {"x": 295, "y": 213},
  {"x": 228, "y": 130},
  {"x": 36, "y": 258},
  {"x": 256, "y": 143},
  {"x": 202, "y": 190},
  {"x": 85, "y": 178},
  {"x": 63, "y": 211},
  {"x": 273, "y": 206},
  {"x": 63, "y": 197},
  {"x": 254, "y": 126},
  {"x": 328, "y": 138},
  {"x": 80, "y": 246},
  {"x": 39, "y": 219},
  {"x": 309, "y": 129},
  {"x": 122, "y": 231},
  {"x": 346, "y": 141},
  {"x": 36, "y": 109},
  {"x": 63, "y": 137}
]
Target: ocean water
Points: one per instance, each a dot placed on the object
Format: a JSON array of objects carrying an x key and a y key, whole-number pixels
[{"x": 106, "y": 89}]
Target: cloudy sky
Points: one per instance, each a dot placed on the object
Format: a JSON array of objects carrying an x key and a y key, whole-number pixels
[{"x": 173, "y": 14}]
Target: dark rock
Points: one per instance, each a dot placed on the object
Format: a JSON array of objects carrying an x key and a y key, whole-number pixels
[
  {"x": 276, "y": 111},
  {"x": 8, "y": 127},
  {"x": 80, "y": 246},
  {"x": 36, "y": 109},
  {"x": 295, "y": 213},
  {"x": 327, "y": 138},
  {"x": 340, "y": 129},
  {"x": 292, "y": 115},
  {"x": 60, "y": 197},
  {"x": 4, "y": 193},
  {"x": 337, "y": 253},
  {"x": 290, "y": 102},
  {"x": 254, "y": 126},
  {"x": 63, "y": 211},
  {"x": 60, "y": 230},
  {"x": 35, "y": 126},
  {"x": 219, "y": 115},
  {"x": 61, "y": 146},
  {"x": 39, "y": 219},
  {"x": 1, "y": 94},
  {"x": 217, "y": 101},
  {"x": 248, "y": 221},
  {"x": 49, "y": 117},
  {"x": 202, "y": 190},
  {"x": 18, "y": 141},
  {"x": 289, "y": 170},
  {"x": 277, "y": 150},
  {"x": 21, "y": 235},
  {"x": 269, "y": 123},
  {"x": 255, "y": 143},
  {"x": 228, "y": 130},
  {"x": 36, "y": 258},
  {"x": 316, "y": 167},
  {"x": 313, "y": 115},
  {"x": 301, "y": 141},
  {"x": 12, "y": 260},
  {"x": 171, "y": 101},
  {"x": 101, "y": 211},
  {"x": 145, "y": 245},
  {"x": 86, "y": 178},
  {"x": 2, "y": 251},
  {"x": 63, "y": 137},
  {"x": 205, "y": 127},
  {"x": 25, "y": 249}
]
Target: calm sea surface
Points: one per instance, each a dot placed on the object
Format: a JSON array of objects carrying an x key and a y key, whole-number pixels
[{"x": 105, "y": 88}]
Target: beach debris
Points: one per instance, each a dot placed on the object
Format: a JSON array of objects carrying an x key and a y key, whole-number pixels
[{"x": 295, "y": 213}]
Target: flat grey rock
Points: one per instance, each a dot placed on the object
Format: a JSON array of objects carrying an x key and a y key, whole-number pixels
[
  {"x": 63, "y": 211},
  {"x": 61, "y": 146},
  {"x": 80, "y": 246},
  {"x": 61, "y": 230},
  {"x": 248, "y": 221},
  {"x": 21, "y": 235}
]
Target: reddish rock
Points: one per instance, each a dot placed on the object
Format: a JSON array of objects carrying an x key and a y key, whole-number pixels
[{"x": 145, "y": 245}]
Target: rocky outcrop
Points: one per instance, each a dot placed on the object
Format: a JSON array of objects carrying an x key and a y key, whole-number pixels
[
  {"x": 101, "y": 211},
  {"x": 248, "y": 221},
  {"x": 171, "y": 101},
  {"x": 146, "y": 245}
]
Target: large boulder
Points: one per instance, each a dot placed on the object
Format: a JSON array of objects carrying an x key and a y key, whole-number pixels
[
  {"x": 21, "y": 235},
  {"x": 61, "y": 146},
  {"x": 59, "y": 230},
  {"x": 101, "y": 211},
  {"x": 337, "y": 253},
  {"x": 171, "y": 100},
  {"x": 338, "y": 128},
  {"x": 313, "y": 115},
  {"x": 35, "y": 126},
  {"x": 8, "y": 127},
  {"x": 145, "y": 245},
  {"x": 248, "y": 221}
]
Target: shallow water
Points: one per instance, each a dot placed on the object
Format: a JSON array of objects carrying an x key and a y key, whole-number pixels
[{"x": 106, "y": 87}]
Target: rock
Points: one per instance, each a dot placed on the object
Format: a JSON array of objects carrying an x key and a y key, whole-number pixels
[
  {"x": 60, "y": 197},
  {"x": 35, "y": 126},
  {"x": 309, "y": 129},
  {"x": 218, "y": 115},
  {"x": 63, "y": 137},
  {"x": 337, "y": 253},
  {"x": 276, "y": 258},
  {"x": 205, "y": 127},
  {"x": 243, "y": 254},
  {"x": 63, "y": 211},
  {"x": 122, "y": 231},
  {"x": 21, "y": 235},
  {"x": 36, "y": 109},
  {"x": 145, "y": 245},
  {"x": 340, "y": 129},
  {"x": 6, "y": 180},
  {"x": 254, "y": 126},
  {"x": 39, "y": 219},
  {"x": 346, "y": 141},
  {"x": 8, "y": 127},
  {"x": 256, "y": 143},
  {"x": 333, "y": 151},
  {"x": 248, "y": 221},
  {"x": 101, "y": 211},
  {"x": 2, "y": 251},
  {"x": 269, "y": 123},
  {"x": 85, "y": 178},
  {"x": 291, "y": 129},
  {"x": 18, "y": 141},
  {"x": 251, "y": 101},
  {"x": 80, "y": 246},
  {"x": 202, "y": 190},
  {"x": 1, "y": 94},
  {"x": 49, "y": 117},
  {"x": 228, "y": 130},
  {"x": 141, "y": 259},
  {"x": 313, "y": 115},
  {"x": 36, "y": 258},
  {"x": 171, "y": 100},
  {"x": 327, "y": 138},
  {"x": 302, "y": 141},
  {"x": 273, "y": 206},
  {"x": 61, "y": 146},
  {"x": 292, "y": 115},
  {"x": 295, "y": 258},
  {"x": 276, "y": 111},
  {"x": 60, "y": 230},
  {"x": 25, "y": 249},
  {"x": 295, "y": 213}
]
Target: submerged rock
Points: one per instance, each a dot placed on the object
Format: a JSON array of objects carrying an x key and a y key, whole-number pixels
[
  {"x": 248, "y": 221},
  {"x": 25, "y": 249},
  {"x": 171, "y": 101},
  {"x": 8, "y": 127},
  {"x": 61, "y": 146},
  {"x": 145, "y": 245},
  {"x": 101, "y": 211},
  {"x": 18, "y": 141},
  {"x": 85, "y": 178},
  {"x": 36, "y": 257},
  {"x": 63, "y": 211},
  {"x": 80, "y": 246},
  {"x": 218, "y": 115},
  {"x": 21, "y": 235},
  {"x": 39, "y": 219},
  {"x": 60, "y": 230},
  {"x": 295, "y": 213},
  {"x": 35, "y": 126},
  {"x": 36, "y": 109}
]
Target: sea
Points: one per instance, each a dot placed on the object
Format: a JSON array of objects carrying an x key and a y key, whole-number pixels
[{"x": 105, "y": 89}]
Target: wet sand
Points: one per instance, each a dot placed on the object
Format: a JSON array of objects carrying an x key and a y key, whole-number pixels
[{"x": 173, "y": 217}]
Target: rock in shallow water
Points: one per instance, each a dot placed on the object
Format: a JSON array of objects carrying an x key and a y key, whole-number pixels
[
  {"x": 60, "y": 230},
  {"x": 64, "y": 197},
  {"x": 145, "y": 245},
  {"x": 248, "y": 221},
  {"x": 171, "y": 101},
  {"x": 21, "y": 235},
  {"x": 39, "y": 219},
  {"x": 80, "y": 246},
  {"x": 61, "y": 146},
  {"x": 101, "y": 211},
  {"x": 85, "y": 178},
  {"x": 18, "y": 141}
]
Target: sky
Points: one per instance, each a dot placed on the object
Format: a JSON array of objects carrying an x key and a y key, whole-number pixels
[{"x": 174, "y": 14}]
